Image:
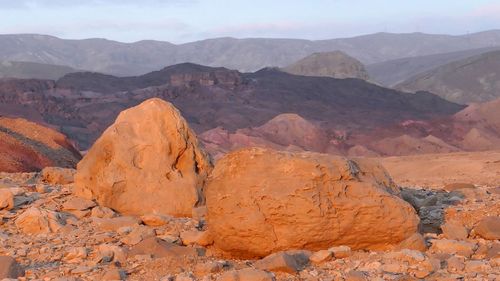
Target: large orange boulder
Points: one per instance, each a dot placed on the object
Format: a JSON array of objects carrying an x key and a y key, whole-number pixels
[
  {"x": 27, "y": 147},
  {"x": 148, "y": 161},
  {"x": 261, "y": 201}
]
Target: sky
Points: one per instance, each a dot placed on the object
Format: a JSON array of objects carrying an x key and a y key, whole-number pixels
[{"x": 180, "y": 21}]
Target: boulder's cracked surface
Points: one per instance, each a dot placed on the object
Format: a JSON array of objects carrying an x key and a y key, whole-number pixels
[{"x": 261, "y": 201}]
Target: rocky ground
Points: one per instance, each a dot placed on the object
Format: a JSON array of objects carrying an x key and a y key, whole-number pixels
[{"x": 53, "y": 235}]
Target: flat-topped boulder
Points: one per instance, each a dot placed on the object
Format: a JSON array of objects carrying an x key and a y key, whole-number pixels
[
  {"x": 147, "y": 162},
  {"x": 262, "y": 201}
]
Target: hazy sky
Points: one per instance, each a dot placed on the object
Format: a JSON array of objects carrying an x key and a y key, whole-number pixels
[{"x": 180, "y": 21}]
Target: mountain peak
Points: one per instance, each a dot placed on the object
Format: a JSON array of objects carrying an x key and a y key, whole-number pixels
[{"x": 336, "y": 64}]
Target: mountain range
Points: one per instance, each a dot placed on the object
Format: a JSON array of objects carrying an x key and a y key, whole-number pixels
[
  {"x": 124, "y": 59},
  {"x": 380, "y": 94}
]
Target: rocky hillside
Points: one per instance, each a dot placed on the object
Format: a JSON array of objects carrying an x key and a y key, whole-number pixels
[
  {"x": 141, "y": 57},
  {"x": 28, "y": 147},
  {"x": 84, "y": 104},
  {"x": 472, "y": 129},
  {"x": 29, "y": 70},
  {"x": 392, "y": 72},
  {"x": 474, "y": 79},
  {"x": 333, "y": 64}
]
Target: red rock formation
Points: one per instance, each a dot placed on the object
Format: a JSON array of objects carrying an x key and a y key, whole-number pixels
[{"x": 26, "y": 147}]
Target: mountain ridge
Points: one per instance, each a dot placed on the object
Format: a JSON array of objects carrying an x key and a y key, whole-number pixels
[
  {"x": 248, "y": 54},
  {"x": 473, "y": 79}
]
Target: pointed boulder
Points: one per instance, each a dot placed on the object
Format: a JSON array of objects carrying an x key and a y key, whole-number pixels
[{"x": 147, "y": 162}]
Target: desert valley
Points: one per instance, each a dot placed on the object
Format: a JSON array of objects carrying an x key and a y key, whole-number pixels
[{"x": 373, "y": 157}]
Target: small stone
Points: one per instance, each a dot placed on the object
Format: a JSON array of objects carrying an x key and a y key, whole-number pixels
[
  {"x": 288, "y": 262},
  {"x": 81, "y": 269},
  {"x": 340, "y": 252},
  {"x": 42, "y": 188},
  {"x": 79, "y": 204},
  {"x": 206, "y": 268},
  {"x": 454, "y": 230},
  {"x": 395, "y": 267},
  {"x": 414, "y": 242},
  {"x": 418, "y": 274},
  {"x": 494, "y": 251},
  {"x": 449, "y": 246},
  {"x": 155, "y": 220},
  {"x": 161, "y": 249},
  {"x": 6, "y": 199},
  {"x": 371, "y": 266},
  {"x": 109, "y": 252},
  {"x": 406, "y": 255},
  {"x": 355, "y": 276},
  {"x": 246, "y": 274},
  {"x": 405, "y": 277},
  {"x": 480, "y": 252},
  {"x": 9, "y": 268},
  {"x": 195, "y": 237},
  {"x": 113, "y": 224},
  {"x": 457, "y": 186},
  {"x": 113, "y": 274},
  {"x": 124, "y": 230},
  {"x": 494, "y": 190},
  {"x": 57, "y": 175},
  {"x": 476, "y": 266},
  {"x": 76, "y": 255},
  {"x": 321, "y": 256},
  {"x": 455, "y": 264},
  {"x": 37, "y": 221},
  {"x": 138, "y": 234},
  {"x": 185, "y": 276},
  {"x": 488, "y": 228},
  {"x": 102, "y": 212}
]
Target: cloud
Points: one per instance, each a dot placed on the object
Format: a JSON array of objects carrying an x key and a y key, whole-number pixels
[
  {"x": 131, "y": 30},
  {"x": 488, "y": 10},
  {"x": 269, "y": 27},
  {"x": 36, "y": 4}
]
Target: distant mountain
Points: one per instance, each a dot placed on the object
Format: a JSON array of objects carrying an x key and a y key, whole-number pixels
[
  {"x": 474, "y": 79},
  {"x": 390, "y": 73},
  {"x": 125, "y": 59},
  {"x": 483, "y": 132},
  {"x": 33, "y": 70},
  {"x": 82, "y": 105},
  {"x": 335, "y": 64}
]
